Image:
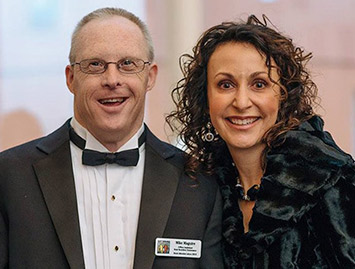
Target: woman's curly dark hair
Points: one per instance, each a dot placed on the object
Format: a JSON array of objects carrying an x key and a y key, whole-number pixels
[{"x": 298, "y": 92}]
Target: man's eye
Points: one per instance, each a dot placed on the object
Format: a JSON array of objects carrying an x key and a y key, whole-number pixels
[
  {"x": 127, "y": 62},
  {"x": 95, "y": 64}
]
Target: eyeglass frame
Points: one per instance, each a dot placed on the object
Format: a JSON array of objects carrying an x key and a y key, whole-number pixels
[{"x": 116, "y": 63}]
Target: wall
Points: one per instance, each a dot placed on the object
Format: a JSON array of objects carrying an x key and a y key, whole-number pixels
[
  {"x": 34, "y": 48},
  {"x": 324, "y": 27}
]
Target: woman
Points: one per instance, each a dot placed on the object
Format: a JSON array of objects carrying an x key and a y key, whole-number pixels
[{"x": 246, "y": 112}]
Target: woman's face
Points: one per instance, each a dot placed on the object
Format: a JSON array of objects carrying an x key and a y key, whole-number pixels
[{"x": 243, "y": 101}]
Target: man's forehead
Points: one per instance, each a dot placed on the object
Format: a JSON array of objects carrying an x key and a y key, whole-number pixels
[
  {"x": 111, "y": 26},
  {"x": 113, "y": 35}
]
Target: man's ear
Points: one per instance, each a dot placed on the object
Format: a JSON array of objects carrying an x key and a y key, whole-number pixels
[
  {"x": 152, "y": 76},
  {"x": 69, "y": 74}
]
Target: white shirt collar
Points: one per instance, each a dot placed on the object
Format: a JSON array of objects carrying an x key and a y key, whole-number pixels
[{"x": 94, "y": 144}]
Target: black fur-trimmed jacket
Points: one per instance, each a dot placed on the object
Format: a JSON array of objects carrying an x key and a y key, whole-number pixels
[{"x": 304, "y": 216}]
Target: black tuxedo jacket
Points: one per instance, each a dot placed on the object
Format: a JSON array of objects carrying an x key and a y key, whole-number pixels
[{"x": 39, "y": 226}]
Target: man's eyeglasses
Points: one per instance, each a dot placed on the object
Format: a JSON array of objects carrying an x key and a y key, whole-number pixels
[{"x": 97, "y": 66}]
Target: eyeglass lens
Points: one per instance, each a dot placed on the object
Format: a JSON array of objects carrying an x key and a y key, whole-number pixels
[{"x": 96, "y": 66}]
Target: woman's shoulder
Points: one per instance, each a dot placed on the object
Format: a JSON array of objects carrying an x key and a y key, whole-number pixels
[
  {"x": 309, "y": 159},
  {"x": 301, "y": 171}
]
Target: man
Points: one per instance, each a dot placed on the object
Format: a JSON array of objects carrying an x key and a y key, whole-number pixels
[{"x": 65, "y": 205}]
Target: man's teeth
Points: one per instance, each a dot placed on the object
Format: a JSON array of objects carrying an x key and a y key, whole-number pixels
[
  {"x": 113, "y": 100},
  {"x": 244, "y": 121}
]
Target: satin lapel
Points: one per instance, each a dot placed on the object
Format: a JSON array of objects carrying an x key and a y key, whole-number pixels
[
  {"x": 56, "y": 180},
  {"x": 159, "y": 186}
]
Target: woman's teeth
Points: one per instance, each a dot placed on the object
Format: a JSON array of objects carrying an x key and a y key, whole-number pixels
[{"x": 243, "y": 122}]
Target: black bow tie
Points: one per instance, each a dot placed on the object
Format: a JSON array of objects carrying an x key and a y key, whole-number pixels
[{"x": 93, "y": 158}]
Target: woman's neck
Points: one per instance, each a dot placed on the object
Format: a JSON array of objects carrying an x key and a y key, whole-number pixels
[{"x": 248, "y": 162}]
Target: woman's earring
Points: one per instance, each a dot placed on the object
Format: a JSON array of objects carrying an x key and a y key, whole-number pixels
[{"x": 209, "y": 136}]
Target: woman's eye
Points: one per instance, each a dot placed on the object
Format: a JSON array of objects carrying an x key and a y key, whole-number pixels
[
  {"x": 225, "y": 85},
  {"x": 260, "y": 84}
]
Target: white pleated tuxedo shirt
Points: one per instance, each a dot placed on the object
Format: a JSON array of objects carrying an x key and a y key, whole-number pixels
[{"x": 108, "y": 198}]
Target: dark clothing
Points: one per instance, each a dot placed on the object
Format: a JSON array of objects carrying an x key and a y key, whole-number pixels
[
  {"x": 39, "y": 224},
  {"x": 304, "y": 216}
]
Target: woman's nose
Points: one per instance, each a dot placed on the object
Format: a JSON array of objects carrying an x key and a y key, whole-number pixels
[{"x": 242, "y": 99}]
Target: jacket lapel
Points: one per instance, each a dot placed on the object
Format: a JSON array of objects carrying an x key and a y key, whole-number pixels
[
  {"x": 55, "y": 177},
  {"x": 159, "y": 186}
]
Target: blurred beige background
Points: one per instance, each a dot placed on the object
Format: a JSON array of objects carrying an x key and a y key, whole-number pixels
[{"x": 324, "y": 27}]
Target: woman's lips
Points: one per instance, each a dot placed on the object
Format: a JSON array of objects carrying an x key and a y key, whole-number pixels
[{"x": 242, "y": 121}]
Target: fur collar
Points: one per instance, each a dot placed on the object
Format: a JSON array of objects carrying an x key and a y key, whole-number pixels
[
  {"x": 298, "y": 173},
  {"x": 308, "y": 160}
]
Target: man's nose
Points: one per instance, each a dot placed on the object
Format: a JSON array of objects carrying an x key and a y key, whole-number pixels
[{"x": 112, "y": 77}]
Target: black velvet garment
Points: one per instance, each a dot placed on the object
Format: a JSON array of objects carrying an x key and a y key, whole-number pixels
[{"x": 304, "y": 216}]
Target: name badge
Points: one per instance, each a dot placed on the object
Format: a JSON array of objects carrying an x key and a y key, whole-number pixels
[{"x": 172, "y": 247}]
